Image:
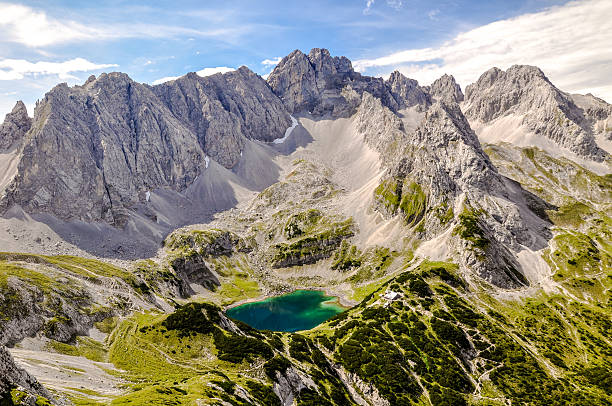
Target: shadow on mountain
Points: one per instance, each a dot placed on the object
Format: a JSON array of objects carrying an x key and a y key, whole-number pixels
[{"x": 299, "y": 137}]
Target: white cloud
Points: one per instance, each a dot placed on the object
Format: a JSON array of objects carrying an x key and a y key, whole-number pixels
[
  {"x": 433, "y": 14},
  {"x": 164, "y": 80},
  {"x": 396, "y": 4},
  {"x": 203, "y": 73},
  {"x": 15, "y": 69},
  {"x": 34, "y": 28},
  {"x": 211, "y": 71},
  {"x": 570, "y": 43},
  {"x": 271, "y": 62}
]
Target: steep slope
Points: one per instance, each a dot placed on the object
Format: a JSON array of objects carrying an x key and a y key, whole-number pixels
[
  {"x": 446, "y": 89},
  {"x": 523, "y": 99},
  {"x": 407, "y": 92},
  {"x": 314, "y": 83},
  {"x": 15, "y": 125},
  {"x": 17, "y": 386},
  {"x": 443, "y": 185},
  {"x": 114, "y": 140},
  {"x": 223, "y": 110}
]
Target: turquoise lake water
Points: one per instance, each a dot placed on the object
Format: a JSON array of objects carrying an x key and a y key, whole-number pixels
[{"x": 299, "y": 310}]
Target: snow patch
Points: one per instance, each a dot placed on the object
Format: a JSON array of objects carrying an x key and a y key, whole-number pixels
[
  {"x": 294, "y": 123},
  {"x": 148, "y": 195},
  {"x": 206, "y": 161}
]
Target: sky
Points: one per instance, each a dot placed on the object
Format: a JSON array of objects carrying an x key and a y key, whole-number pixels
[{"x": 46, "y": 42}]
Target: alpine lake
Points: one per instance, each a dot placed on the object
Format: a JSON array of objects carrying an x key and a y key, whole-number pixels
[{"x": 295, "y": 311}]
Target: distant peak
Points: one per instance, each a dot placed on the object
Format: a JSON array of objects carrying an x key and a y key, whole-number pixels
[
  {"x": 525, "y": 69},
  {"x": 20, "y": 107},
  {"x": 447, "y": 89}
]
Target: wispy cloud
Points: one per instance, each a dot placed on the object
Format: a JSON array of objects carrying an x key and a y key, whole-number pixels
[
  {"x": 433, "y": 14},
  {"x": 571, "y": 43},
  {"x": 271, "y": 62},
  {"x": 368, "y": 8},
  {"x": 396, "y": 4},
  {"x": 15, "y": 69},
  {"x": 34, "y": 28},
  {"x": 203, "y": 73}
]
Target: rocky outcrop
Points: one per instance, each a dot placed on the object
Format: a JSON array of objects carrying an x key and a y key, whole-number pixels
[
  {"x": 315, "y": 82},
  {"x": 407, "y": 92},
  {"x": 16, "y": 124},
  {"x": 442, "y": 178},
  {"x": 597, "y": 112},
  {"x": 445, "y": 89},
  {"x": 14, "y": 377},
  {"x": 194, "y": 270},
  {"x": 290, "y": 383},
  {"x": 525, "y": 92}
]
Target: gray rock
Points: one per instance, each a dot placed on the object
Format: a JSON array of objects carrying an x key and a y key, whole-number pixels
[
  {"x": 445, "y": 159},
  {"x": 407, "y": 92},
  {"x": 223, "y": 109},
  {"x": 524, "y": 91},
  {"x": 315, "y": 82},
  {"x": 12, "y": 376},
  {"x": 445, "y": 89},
  {"x": 96, "y": 149},
  {"x": 16, "y": 124}
]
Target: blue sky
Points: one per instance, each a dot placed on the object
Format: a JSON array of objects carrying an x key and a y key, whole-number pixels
[{"x": 46, "y": 42}]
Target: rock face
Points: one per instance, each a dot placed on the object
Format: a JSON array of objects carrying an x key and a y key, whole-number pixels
[
  {"x": 407, "y": 92},
  {"x": 111, "y": 140},
  {"x": 597, "y": 112},
  {"x": 443, "y": 169},
  {"x": 15, "y": 125},
  {"x": 12, "y": 376},
  {"x": 321, "y": 84},
  {"x": 446, "y": 89},
  {"x": 525, "y": 92},
  {"x": 314, "y": 83},
  {"x": 223, "y": 110}
]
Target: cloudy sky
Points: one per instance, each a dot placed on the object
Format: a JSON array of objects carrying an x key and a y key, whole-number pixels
[{"x": 46, "y": 42}]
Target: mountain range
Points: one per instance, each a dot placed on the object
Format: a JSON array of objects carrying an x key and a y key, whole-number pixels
[{"x": 132, "y": 215}]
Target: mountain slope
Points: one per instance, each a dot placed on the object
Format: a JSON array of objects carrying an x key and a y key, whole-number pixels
[{"x": 523, "y": 95}]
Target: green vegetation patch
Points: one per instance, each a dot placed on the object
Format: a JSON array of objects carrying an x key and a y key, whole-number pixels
[
  {"x": 346, "y": 257},
  {"x": 313, "y": 247},
  {"x": 388, "y": 193},
  {"x": 469, "y": 229},
  {"x": 413, "y": 203}
]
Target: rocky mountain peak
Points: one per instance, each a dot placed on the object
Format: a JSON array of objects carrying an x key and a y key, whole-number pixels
[
  {"x": 407, "y": 92},
  {"x": 16, "y": 124},
  {"x": 446, "y": 89},
  {"x": 525, "y": 93},
  {"x": 301, "y": 80}
]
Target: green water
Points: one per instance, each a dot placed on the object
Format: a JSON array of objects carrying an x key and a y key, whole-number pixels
[{"x": 299, "y": 310}]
